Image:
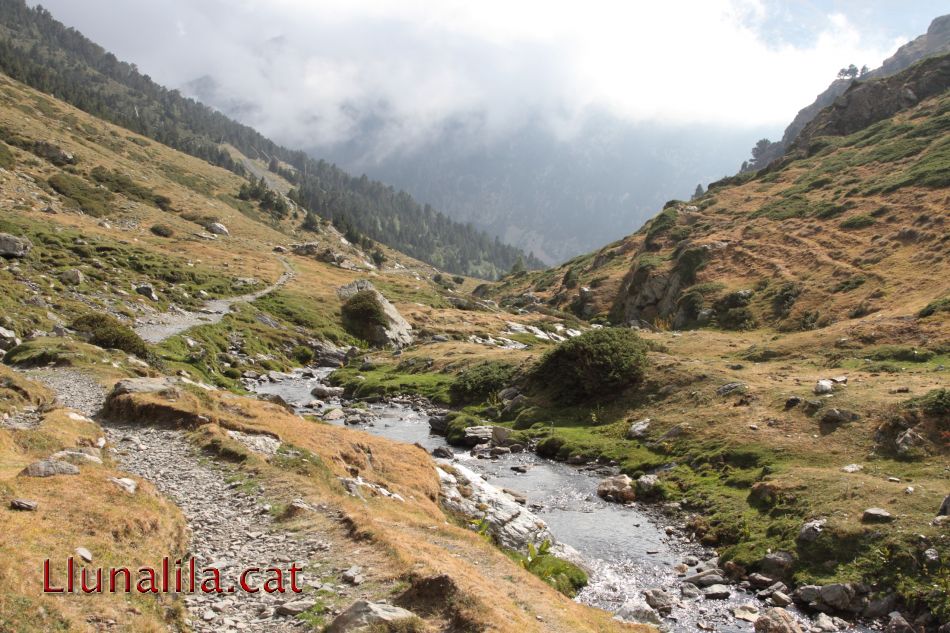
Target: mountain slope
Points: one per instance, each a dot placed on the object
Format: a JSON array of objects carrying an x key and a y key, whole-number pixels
[
  {"x": 936, "y": 41},
  {"x": 40, "y": 51}
]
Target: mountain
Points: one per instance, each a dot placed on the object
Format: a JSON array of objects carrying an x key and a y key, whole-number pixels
[
  {"x": 552, "y": 193},
  {"x": 935, "y": 41},
  {"x": 43, "y": 53}
]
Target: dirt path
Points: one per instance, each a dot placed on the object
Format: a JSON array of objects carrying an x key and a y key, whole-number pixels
[{"x": 159, "y": 327}]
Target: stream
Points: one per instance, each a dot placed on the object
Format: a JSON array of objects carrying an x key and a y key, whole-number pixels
[{"x": 626, "y": 548}]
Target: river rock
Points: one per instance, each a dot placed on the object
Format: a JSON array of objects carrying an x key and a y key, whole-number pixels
[
  {"x": 363, "y": 613},
  {"x": 618, "y": 488},
  {"x": 660, "y": 599},
  {"x": 747, "y": 612},
  {"x": 777, "y": 620},
  {"x": 13, "y": 246},
  {"x": 49, "y": 468},
  {"x": 876, "y": 515},
  {"x": 648, "y": 486},
  {"x": 397, "y": 332},
  {"x": 689, "y": 590},
  {"x": 777, "y": 564},
  {"x": 839, "y": 596},
  {"x": 896, "y": 623},
  {"x": 512, "y": 525},
  {"x": 780, "y": 599},
  {"x": 636, "y": 609},
  {"x": 334, "y": 414},
  {"x": 823, "y": 622},
  {"x": 710, "y": 580},
  {"x": 717, "y": 592},
  {"x": 326, "y": 391},
  {"x": 638, "y": 430},
  {"x": 443, "y": 452},
  {"x": 475, "y": 435}
]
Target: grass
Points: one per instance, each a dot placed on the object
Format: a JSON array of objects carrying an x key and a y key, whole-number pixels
[
  {"x": 389, "y": 380},
  {"x": 89, "y": 199}
]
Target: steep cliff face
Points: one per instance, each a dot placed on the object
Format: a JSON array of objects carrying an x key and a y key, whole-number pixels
[
  {"x": 867, "y": 102},
  {"x": 935, "y": 42}
]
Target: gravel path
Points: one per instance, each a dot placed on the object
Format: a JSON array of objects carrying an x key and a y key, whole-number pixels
[
  {"x": 161, "y": 326},
  {"x": 231, "y": 530}
]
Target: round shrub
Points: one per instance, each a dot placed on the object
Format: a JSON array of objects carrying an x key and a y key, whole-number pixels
[
  {"x": 162, "y": 230},
  {"x": 108, "y": 332},
  {"x": 597, "y": 363},
  {"x": 477, "y": 383},
  {"x": 363, "y": 316},
  {"x": 303, "y": 354},
  {"x": 232, "y": 373}
]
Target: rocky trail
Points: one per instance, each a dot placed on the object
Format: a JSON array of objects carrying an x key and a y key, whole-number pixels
[{"x": 160, "y": 326}]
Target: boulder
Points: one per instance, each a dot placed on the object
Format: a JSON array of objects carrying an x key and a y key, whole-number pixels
[
  {"x": 648, "y": 486},
  {"x": 731, "y": 387},
  {"x": 49, "y": 468},
  {"x": 143, "y": 385},
  {"x": 717, "y": 592},
  {"x": 326, "y": 391},
  {"x": 295, "y": 607},
  {"x": 747, "y": 612},
  {"x": 777, "y": 564},
  {"x": 909, "y": 443},
  {"x": 618, "y": 488},
  {"x": 838, "y": 416},
  {"x": 8, "y": 339},
  {"x": 398, "y": 332},
  {"x": 218, "y": 229},
  {"x": 13, "y": 246},
  {"x": 690, "y": 591},
  {"x": 638, "y": 430},
  {"x": 73, "y": 276},
  {"x": 23, "y": 505},
  {"x": 838, "y": 596},
  {"x": 944, "y": 507},
  {"x": 896, "y": 623},
  {"x": 852, "y": 468},
  {"x": 443, "y": 452},
  {"x": 824, "y": 386},
  {"x": 780, "y": 599},
  {"x": 475, "y": 435},
  {"x": 777, "y": 620},
  {"x": 876, "y": 515}
]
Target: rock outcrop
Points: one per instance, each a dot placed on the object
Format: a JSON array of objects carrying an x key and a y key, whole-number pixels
[
  {"x": 398, "y": 332},
  {"x": 13, "y": 246}
]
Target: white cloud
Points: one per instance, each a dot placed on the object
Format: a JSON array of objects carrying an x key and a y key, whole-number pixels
[{"x": 316, "y": 68}]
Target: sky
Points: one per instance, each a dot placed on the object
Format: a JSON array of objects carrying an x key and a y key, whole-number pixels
[{"x": 311, "y": 72}]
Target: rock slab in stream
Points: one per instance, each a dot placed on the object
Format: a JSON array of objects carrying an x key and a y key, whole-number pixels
[{"x": 777, "y": 620}]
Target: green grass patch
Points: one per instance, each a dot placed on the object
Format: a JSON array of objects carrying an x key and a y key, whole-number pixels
[
  {"x": 89, "y": 199},
  {"x": 389, "y": 380}
]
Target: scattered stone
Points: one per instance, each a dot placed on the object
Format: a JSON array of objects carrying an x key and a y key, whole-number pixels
[
  {"x": 147, "y": 291},
  {"x": 13, "y": 246},
  {"x": 443, "y": 452},
  {"x": 780, "y": 599},
  {"x": 731, "y": 387},
  {"x": 295, "y": 607},
  {"x": 8, "y": 339},
  {"x": 325, "y": 391},
  {"x": 898, "y": 624},
  {"x": 839, "y": 416},
  {"x": 636, "y": 609},
  {"x": 824, "y": 386},
  {"x": 218, "y": 229},
  {"x": 638, "y": 430},
  {"x": 49, "y": 468},
  {"x": 812, "y": 406},
  {"x": 24, "y": 505},
  {"x": 792, "y": 402},
  {"x": 647, "y": 486},
  {"x": 475, "y": 435},
  {"x": 73, "y": 276},
  {"x": 660, "y": 599},
  {"x": 944, "y": 507},
  {"x": 364, "y": 613},
  {"x": 810, "y": 532},
  {"x": 777, "y": 620},
  {"x": 353, "y": 575},
  {"x": 877, "y": 515},
  {"x": 334, "y": 414},
  {"x": 125, "y": 483},
  {"x": 823, "y": 622},
  {"x": 852, "y": 468},
  {"x": 689, "y": 590},
  {"x": 84, "y": 554},
  {"x": 837, "y": 595}
]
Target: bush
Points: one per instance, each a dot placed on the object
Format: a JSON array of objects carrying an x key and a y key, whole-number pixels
[
  {"x": 477, "y": 383},
  {"x": 232, "y": 373},
  {"x": 936, "y": 402},
  {"x": 858, "y": 222},
  {"x": 91, "y": 200},
  {"x": 363, "y": 314},
  {"x": 162, "y": 230},
  {"x": 455, "y": 428},
  {"x": 932, "y": 308},
  {"x": 7, "y": 161},
  {"x": 899, "y": 353},
  {"x": 596, "y": 363},
  {"x": 303, "y": 354},
  {"x": 108, "y": 332}
]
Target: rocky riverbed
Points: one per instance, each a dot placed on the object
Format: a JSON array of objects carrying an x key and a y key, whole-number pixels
[{"x": 643, "y": 565}]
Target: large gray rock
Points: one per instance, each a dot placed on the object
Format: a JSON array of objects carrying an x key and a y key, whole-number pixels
[
  {"x": 143, "y": 385},
  {"x": 839, "y": 596},
  {"x": 146, "y": 290},
  {"x": 49, "y": 468},
  {"x": 398, "y": 332},
  {"x": 944, "y": 507},
  {"x": 838, "y": 416},
  {"x": 877, "y": 515},
  {"x": 13, "y": 246},
  {"x": 810, "y": 532},
  {"x": 512, "y": 525},
  {"x": 364, "y": 613},
  {"x": 326, "y": 391},
  {"x": 777, "y": 620},
  {"x": 475, "y": 435},
  {"x": 648, "y": 486},
  {"x": 660, "y": 599},
  {"x": 295, "y": 607},
  {"x": 638, "y": 430},
  {"x": 8, "y": 339},
  {"x": 717, "y": 592},
  {"x": 218, "y": 229},
  {"x": 73, "y": 276},
  {"x": 777, "y": 564}
]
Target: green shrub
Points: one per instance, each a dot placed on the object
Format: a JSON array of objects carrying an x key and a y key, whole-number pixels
[
  {"x": 936, "y": 402},
  {"x": 162, "y": 230},
  {"x": 108, "y": 332},
  {"x": 563, "y": 575},
  {"x": 477, "y": 383},
  {"x": 91, "y": 200},
  {"x": 303, "y": 354},
  {"x": 455, "y": 428},
  {"x": 597, "y": 363},
  {"x": 232, "y": 373},
  {"x": 363, "y": 314},
  {"x": 932, "y": 308},
  {"x": 7, "y": 161},
  {"x": 900, "y": 353},
  {"x": 858, "y": 222}
]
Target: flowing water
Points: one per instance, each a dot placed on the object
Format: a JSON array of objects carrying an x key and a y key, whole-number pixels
[{"x": 626, "y": 548}]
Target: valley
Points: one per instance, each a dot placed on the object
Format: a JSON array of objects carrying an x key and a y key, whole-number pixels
[{"x": 735, "y": 419}]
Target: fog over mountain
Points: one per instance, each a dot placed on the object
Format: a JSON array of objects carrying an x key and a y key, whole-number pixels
[{"x": 539, "y": 122}]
